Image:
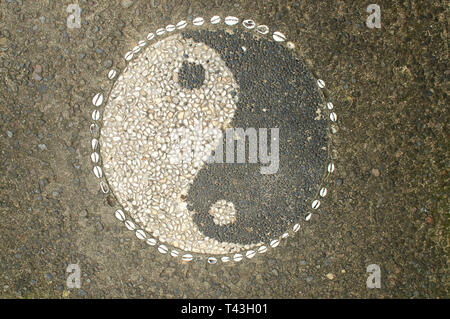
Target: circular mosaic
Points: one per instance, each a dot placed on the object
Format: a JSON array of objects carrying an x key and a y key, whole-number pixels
[{"x": 214, "y": 140}]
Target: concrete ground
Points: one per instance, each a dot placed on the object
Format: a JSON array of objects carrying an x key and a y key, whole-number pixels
[{"x": 387, "y": 205}]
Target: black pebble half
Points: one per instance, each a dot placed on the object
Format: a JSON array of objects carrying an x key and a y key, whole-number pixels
[{"x": 269, "y": 77}]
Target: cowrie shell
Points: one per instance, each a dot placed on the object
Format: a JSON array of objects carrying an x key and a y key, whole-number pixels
[
  {"x": 174, "y": 253},
  {"x": 330, "y": 105},
  {"x": 96, "y": 115},
  {"x": 290, "y": 45},
  {"x": 136, "y": 49},
  {"x": 263, "y": 29},
  {"x": 187, "y": 257},
  {"x": 93, "y": 128},
  {"x": 321, "y": 83},
  {"x": 250, "y": 254},
  {"x": 95, "y": 157},
  {"x": 97, "y": 100},
  {"x": 104, "y": 187},
  {"x": 274, "y": 243},
  {"x": 198, "y": 21},
  {"x": 212, "y": 260},
  {"x": 163, "y": 249},
  {"x": 315, "y": 204},
  {"x": 170, "y": 28},
  {"x": 262, "y": 249},
  {"x": 249, "y": 24},
  {"x": 333, "y": 117},
  {"x": 331, "y": 167},
  {"x": 181, "y": 25},
  {"x": 285, "y": 235},
  {"x": 98, "y": 171},
  {"x": 308, "y": 216},
  {"x": 225, "y": 259},
  {"x": 150, "y": 36},
  {"x": 94, "y": 144},
  {"x": 151, "y": 241},
  {"x": 323, "y": 192},
  {"x": 112, "y": 74},
  {"x": 215, "y": 19},
  {"x": 142, "y": 43},
  {"x": 296, "y": 228},
  {"x": 140, "y": 234},
  {"x": 231, "y": 20},
  {"x": 120, "y": 215},
  {"x": 237, "y": 257},
  {"x": 279, "y": 37},
  {"x": 129, "y": 55},
  {"x": 160, "y": 31},
  {"x": 130, "y": 225}
]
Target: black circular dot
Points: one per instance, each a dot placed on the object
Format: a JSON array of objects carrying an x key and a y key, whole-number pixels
[{"x": 192, "y": 75}]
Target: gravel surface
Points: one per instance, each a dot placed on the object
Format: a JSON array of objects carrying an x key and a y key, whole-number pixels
[{"x": 387, "y": 204}]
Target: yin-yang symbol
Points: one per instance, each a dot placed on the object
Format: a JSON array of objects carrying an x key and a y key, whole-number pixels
[{"x": 167, "y": 116}]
